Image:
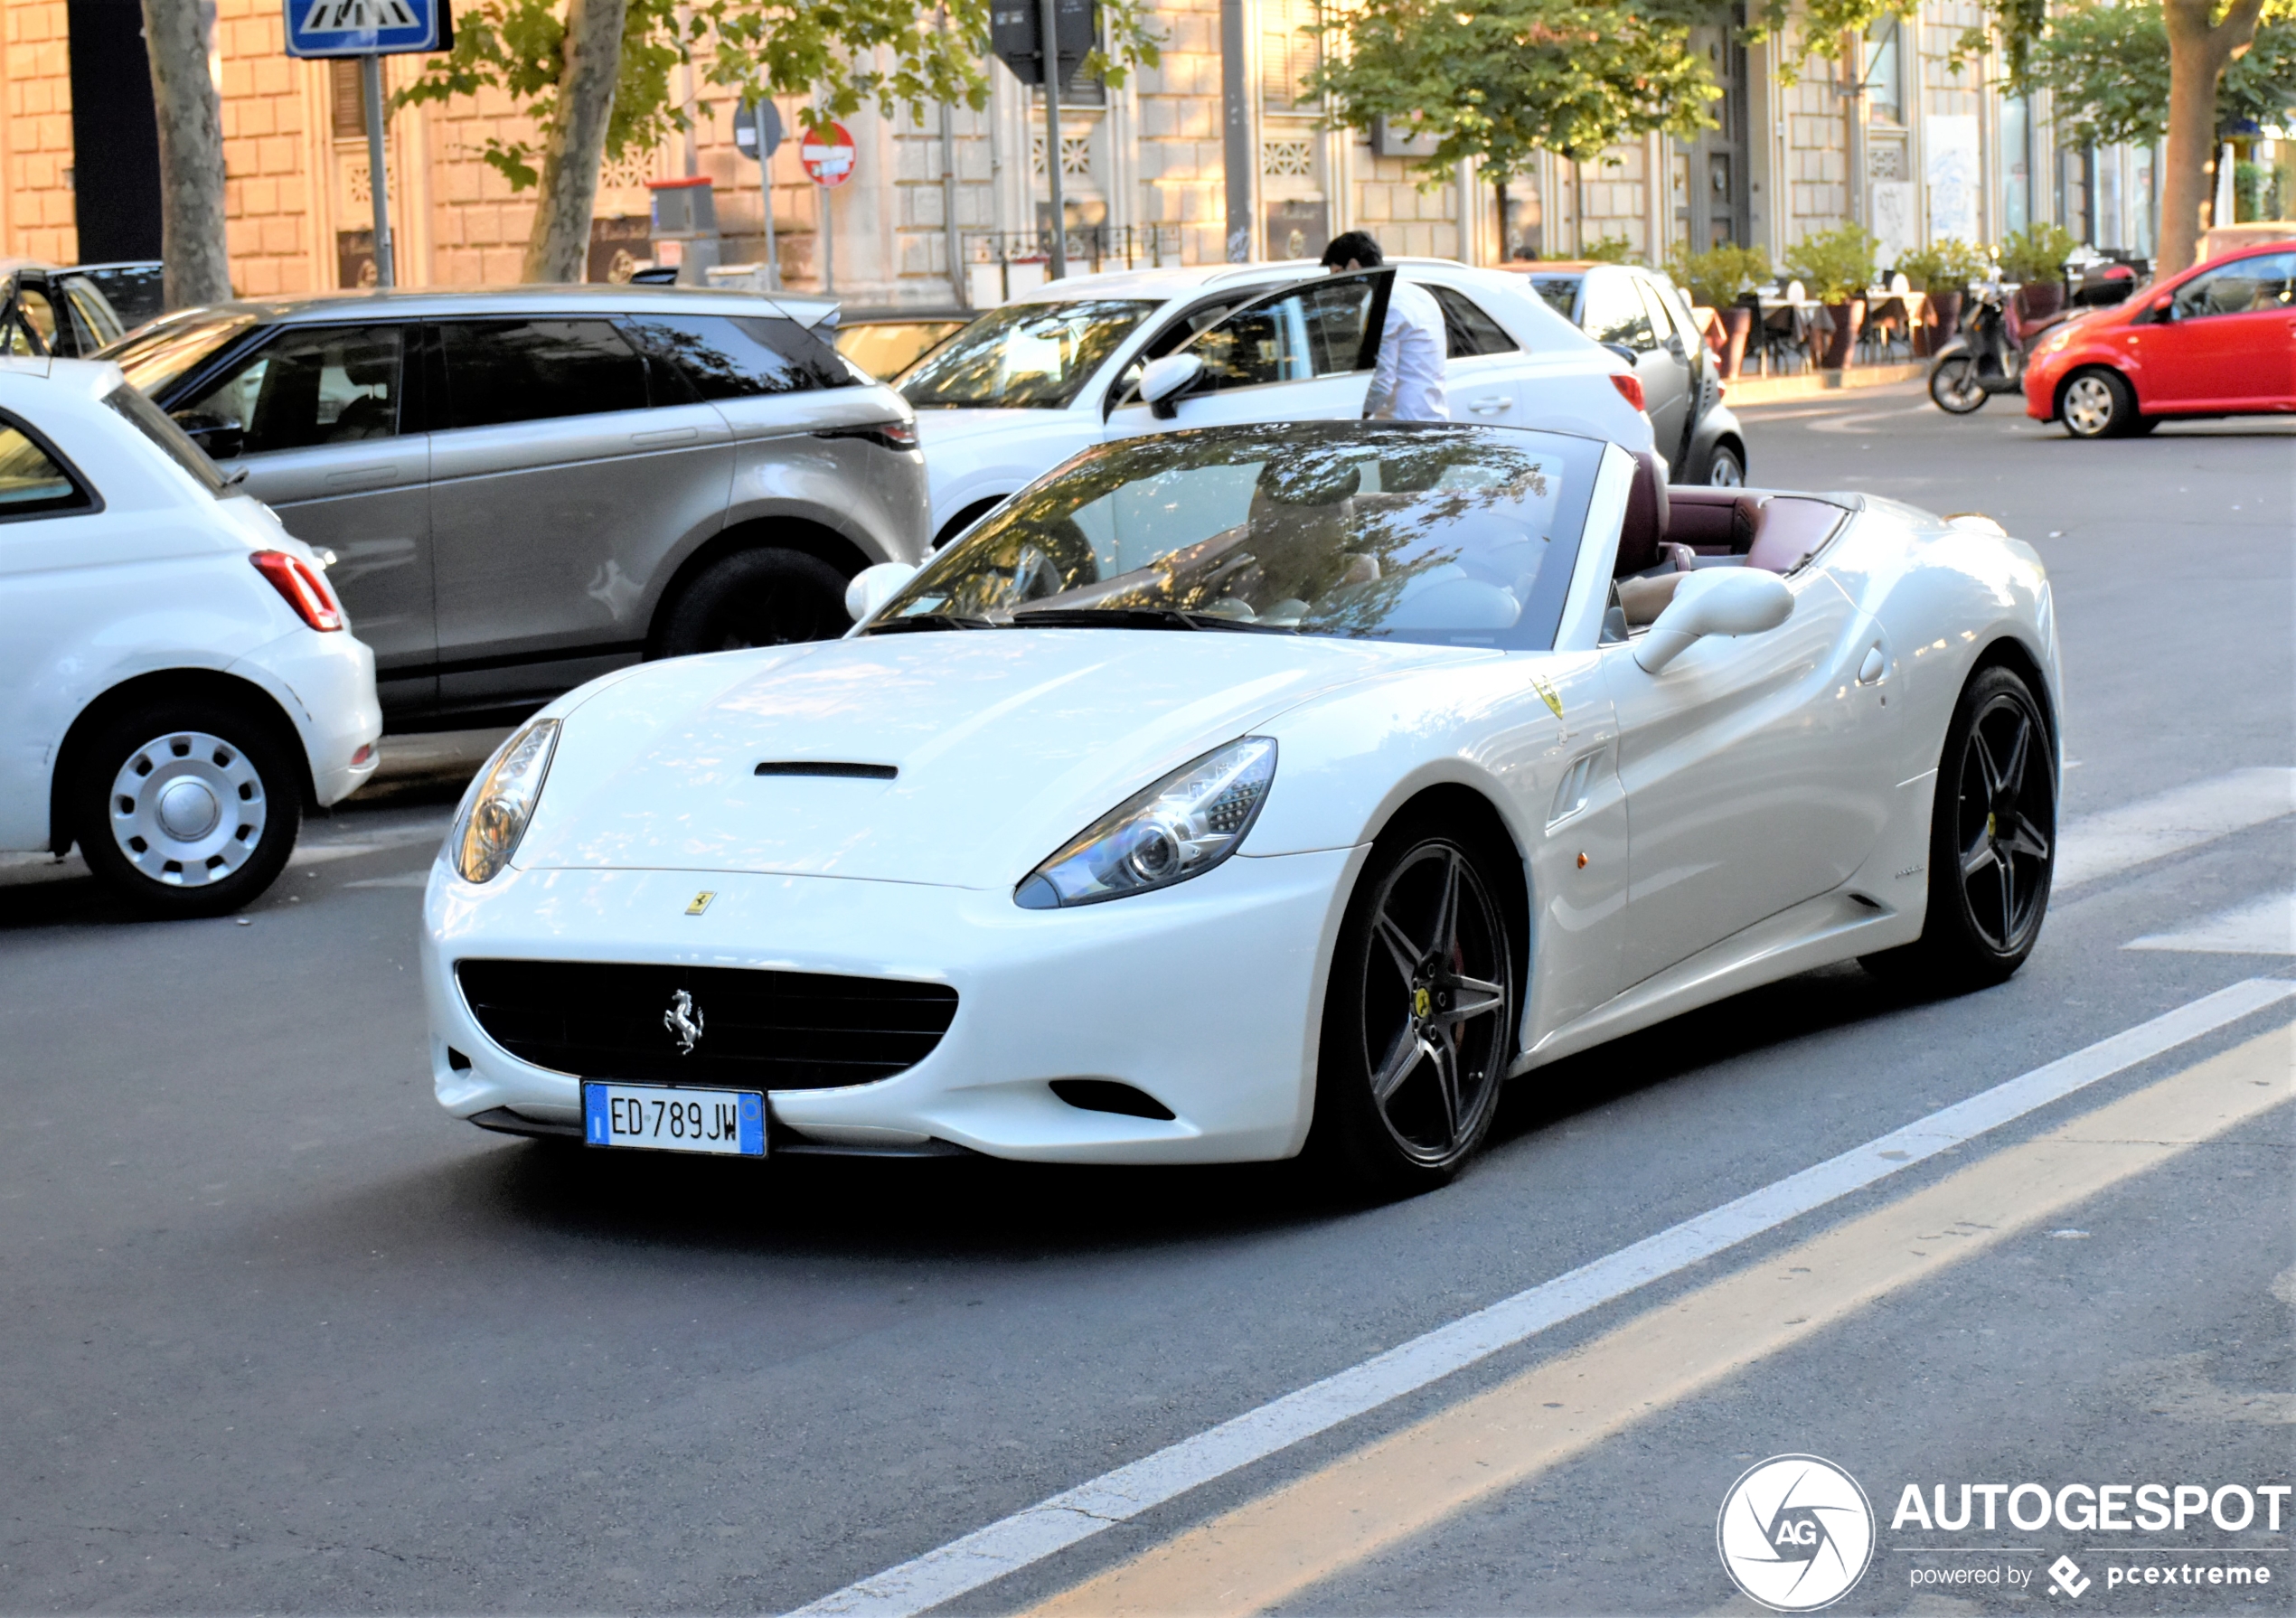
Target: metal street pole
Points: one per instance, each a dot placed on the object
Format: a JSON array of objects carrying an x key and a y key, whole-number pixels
[
  {"x": 765, "y": 190},
  {"x": 1235, "y": 131},
  {"x": 378, "y": 184},
  {"x": 1048, "y": 61}
]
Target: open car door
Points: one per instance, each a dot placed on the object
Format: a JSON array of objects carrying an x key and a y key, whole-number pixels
[{"x": 1302, "y": 355}]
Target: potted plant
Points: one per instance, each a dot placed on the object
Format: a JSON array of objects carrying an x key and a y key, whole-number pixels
[
  {"x": 2036, "y": 257},
  {"x": 1835, "y": 267},
  {"x": 1717, "y": 279},
  {"x": 1944, "y": 270}
]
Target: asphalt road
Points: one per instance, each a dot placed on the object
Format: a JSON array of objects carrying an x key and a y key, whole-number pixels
[{"x": 279, "y": 1336}]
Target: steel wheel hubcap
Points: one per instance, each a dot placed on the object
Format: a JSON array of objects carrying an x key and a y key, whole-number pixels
[
  {"x": 1436, "y": 997},
  {"x": 2006, "y": 824},
  {"x": 2088, "y": 405},
  {"x": 187, "y": 809}
]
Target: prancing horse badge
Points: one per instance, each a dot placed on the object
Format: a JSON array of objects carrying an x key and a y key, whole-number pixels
[{"x": 684, "y": 1019}]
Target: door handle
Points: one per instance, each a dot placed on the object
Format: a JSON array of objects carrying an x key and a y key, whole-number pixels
[
  {"x": 360, "y": 477},
  {"x": 1491, "y": 406},
  {"x": 667, "y": 434},
  {"x": 1869, "y": 673}
]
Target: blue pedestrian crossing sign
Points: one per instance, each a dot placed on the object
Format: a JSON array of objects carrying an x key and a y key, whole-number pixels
[{"x": 367, "y": 27}]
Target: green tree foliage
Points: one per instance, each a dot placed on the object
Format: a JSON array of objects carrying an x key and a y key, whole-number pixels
[
  {"x": 1503, "y": 80},
  {"x": 1837, "y": 264},
  {"x": 842, "y": 55},
  {"x": 2107, "y": 66}
]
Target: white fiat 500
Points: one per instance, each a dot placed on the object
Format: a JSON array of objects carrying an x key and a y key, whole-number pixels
[
  {"x": 176, "y": 681},
  {"x": 1236, "y": 791},
  {"x": 1013, "y": 394}
]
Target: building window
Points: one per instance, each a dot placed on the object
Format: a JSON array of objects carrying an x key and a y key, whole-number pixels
[
  {"x": 1885, "y": 72},
  {"x": 1290, "y": 48},
  {"x": 349, "y": 101}
]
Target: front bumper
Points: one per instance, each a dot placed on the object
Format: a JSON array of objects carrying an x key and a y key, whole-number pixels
[{"x": 1207, "y": 996}]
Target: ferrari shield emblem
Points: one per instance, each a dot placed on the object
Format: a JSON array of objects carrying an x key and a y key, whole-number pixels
[{"x": 1547, "y": 693}]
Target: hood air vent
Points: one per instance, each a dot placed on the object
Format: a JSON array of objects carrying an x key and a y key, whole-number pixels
[{"x": 812, "y": 767}]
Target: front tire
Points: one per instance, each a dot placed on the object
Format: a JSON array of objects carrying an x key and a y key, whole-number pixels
[
  {"x": 1418, "y": 1023},
  {"x": 764, "y": 597},
  {"x": 1993, "y": 841},
  {"x": 186, "y": 809},
  {"x": 2098, "y": 404},
  {"x": 1953, "y": 386}
]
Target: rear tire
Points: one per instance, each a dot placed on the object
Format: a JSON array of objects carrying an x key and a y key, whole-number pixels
[
  {"x": 1992, "y": 843},
  {"x": 185, "y": 808},
  {"x": 2098, "y": 404},
  {"x": 1725, "y": 470},
  {"x": 1418, "y": 1023},
  {"x": 1953, "y": 387},
  {"x": 764, "y": 597}
]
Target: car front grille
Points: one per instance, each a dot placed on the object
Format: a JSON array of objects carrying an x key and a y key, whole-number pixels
[{"x": 767, "y": 1031}]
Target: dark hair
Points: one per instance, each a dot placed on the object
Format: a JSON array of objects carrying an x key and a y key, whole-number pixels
[{"x": 1356, "y": 246}]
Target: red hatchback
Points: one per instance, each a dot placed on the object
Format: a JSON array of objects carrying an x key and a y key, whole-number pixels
[{"x": 2217, "y": 339}]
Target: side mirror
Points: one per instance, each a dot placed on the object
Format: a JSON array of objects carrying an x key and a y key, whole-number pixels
[
  {"x": 1165, "y": 381},
  {"x": 222, "y": 440},
  {"x": 1623, "y": 351},
  {"x": 1714, "y": 601},
  {"x": 871, "y": 588}
]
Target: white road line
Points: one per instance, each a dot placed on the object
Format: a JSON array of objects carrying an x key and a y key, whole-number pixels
[
  {"x": 1002, "y": 1548},
  {"x": 2185, "y": 817},
  {"x": 2263, "y": 926}
]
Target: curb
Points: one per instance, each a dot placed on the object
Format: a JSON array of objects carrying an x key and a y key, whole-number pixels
[{"x": 1809, "y": 384}]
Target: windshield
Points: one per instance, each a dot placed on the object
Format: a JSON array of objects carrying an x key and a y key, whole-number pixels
[
  {"x": 1023, "y": 354},
  {"x": 1454, "y": 535},
  {"x": 157, "y": 355}
]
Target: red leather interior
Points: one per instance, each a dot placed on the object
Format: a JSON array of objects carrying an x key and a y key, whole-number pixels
[{"x": 1645, "y": 527}]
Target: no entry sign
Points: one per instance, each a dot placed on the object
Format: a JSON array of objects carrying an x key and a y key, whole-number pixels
[{"x": 828, "y": 157}]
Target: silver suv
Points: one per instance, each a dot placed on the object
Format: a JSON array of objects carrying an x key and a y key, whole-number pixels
[{"x": 526, "y": 488}]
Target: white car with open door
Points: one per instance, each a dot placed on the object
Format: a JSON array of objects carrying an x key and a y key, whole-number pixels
[
  {"x": 1236, "y": 792},
  {"x": 177, "y": 679},
  {"x": 1020, "y": 390}
]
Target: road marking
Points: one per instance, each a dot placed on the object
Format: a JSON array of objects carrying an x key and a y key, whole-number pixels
[
  {"x": 2263, "y": 926},
  {"x": 2185, "y": 817},
  {"x": 1028, "y": 1537},
  {"x": 1343, "y": 1514},
  {"x": 405, "y": 879}
]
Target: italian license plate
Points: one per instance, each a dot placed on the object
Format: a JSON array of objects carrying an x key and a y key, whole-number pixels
[{"x": 661, "y": 1118}]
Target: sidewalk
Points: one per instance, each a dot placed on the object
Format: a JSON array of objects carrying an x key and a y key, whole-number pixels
[{"x": 1808, "y": 384}]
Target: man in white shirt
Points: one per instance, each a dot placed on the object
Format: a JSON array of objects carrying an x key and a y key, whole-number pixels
[{"x": 1407, "y": 383}]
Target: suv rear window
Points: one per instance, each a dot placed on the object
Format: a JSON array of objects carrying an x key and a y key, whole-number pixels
[
  {"x": 739, "y": 356},
  {"x": 505, "y": 370}
]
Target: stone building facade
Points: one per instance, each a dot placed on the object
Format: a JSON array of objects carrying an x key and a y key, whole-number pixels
[{"x": 952, "y": 208}]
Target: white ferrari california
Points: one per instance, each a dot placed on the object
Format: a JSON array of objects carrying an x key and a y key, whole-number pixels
[{"x": 1251, "y": 790}]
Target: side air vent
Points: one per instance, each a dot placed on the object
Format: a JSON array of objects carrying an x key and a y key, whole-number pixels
[
  {"x": 1106, "y": 1095},
  {"x": 823, "y": 767}
]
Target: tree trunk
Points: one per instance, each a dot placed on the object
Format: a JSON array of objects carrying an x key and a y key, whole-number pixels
[
  {"x": 2198, "y": 53},
  {"x": 558, "y": 249},
  {"x": 190, "y": 154}
]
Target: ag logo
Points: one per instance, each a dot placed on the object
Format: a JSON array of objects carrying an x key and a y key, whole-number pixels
[{"x": 1796, "y": 1533}]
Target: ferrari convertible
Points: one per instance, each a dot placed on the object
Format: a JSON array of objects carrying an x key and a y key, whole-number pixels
[{"x": 1252, "y": 790}]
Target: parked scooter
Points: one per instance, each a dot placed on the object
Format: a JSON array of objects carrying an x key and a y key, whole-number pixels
[{"x": 1988, "y": 355}]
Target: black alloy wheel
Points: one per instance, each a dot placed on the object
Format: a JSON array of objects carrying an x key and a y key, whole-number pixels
[
  {"x": 765, "y": 598},
  {"x": 1992, "y": 840},
  {"x": 1418, "y": 1021}
]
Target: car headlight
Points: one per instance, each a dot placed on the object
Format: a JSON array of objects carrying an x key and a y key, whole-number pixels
[
  {"x": 1180, "y": 828},
  {"x": 498, "y": 805}
]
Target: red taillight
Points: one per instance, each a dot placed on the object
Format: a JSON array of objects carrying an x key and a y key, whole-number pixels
[
  {"x": 1630, "y": 388},
  {"x": 292, "y": 578},
  {"x": 901, "y": 434}
]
